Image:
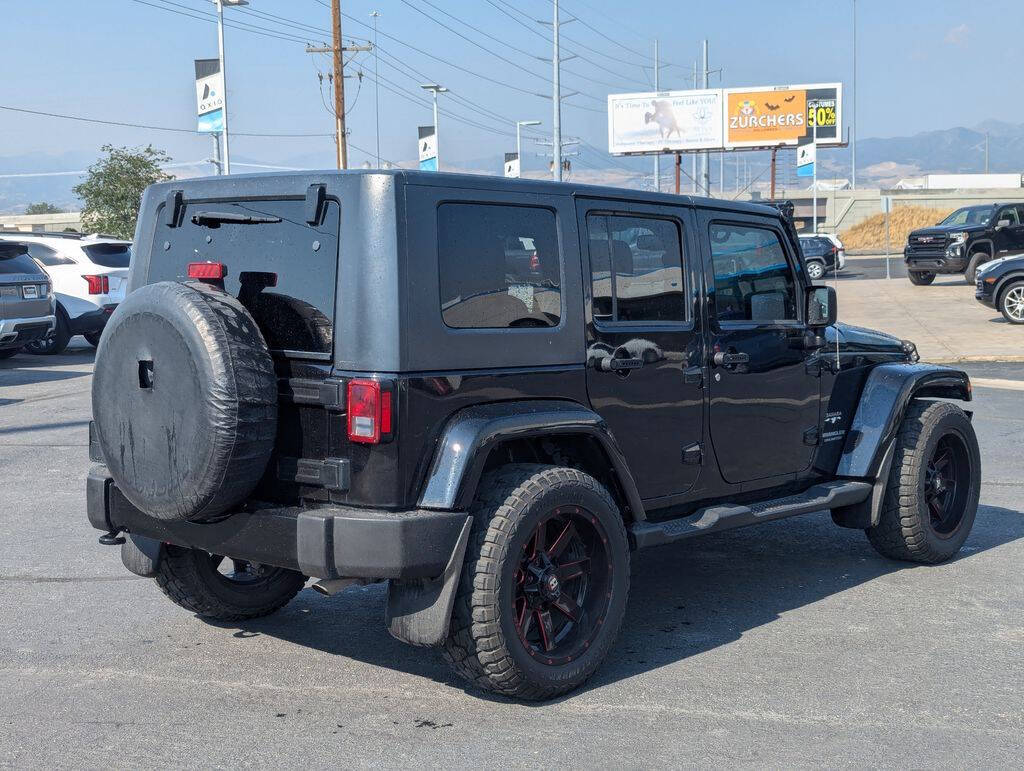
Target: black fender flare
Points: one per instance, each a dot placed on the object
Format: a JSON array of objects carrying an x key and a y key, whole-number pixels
[
  {"x": 987, "y": 244},
  {"x": 870, "y": 440},
  {"x": 473, "y": 432}
]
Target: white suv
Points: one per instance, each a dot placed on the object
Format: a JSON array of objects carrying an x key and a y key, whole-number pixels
[{"x": 89, "y": 275}]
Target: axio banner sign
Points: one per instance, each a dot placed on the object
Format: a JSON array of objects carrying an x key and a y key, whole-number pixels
[
  {"x": 511, "y": 164},
  {"x": 770, "y": 116},
  {"x": 664, "y": 121},
  {"x": 806, "y": 157},
  {"x": 209, "y": 96},
  {"x": 428, "y": 148}
]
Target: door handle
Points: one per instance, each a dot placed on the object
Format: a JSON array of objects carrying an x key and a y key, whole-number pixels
[
  {"x": 612, "y": 364},
  {"x": 723, "y": 359}
]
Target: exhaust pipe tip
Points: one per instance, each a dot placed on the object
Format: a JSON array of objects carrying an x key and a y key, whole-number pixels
[{"x": 331, "y": 586}]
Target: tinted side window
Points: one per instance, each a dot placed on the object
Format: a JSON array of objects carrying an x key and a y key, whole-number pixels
[
  {"x": 48, "y": 256},
  {"x": 499, "y": 266},
  {"x": 636, "y": 268},
  {"x": 753, "y": 279}
]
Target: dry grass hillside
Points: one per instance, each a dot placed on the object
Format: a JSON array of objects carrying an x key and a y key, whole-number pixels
[{"x": 870, "y": 234}]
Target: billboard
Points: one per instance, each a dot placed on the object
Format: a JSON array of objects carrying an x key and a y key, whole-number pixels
[
  {"x": 769, "y": 116},
  {"x": 664, "y": 121},
  {"x": 209, "y": 95}
]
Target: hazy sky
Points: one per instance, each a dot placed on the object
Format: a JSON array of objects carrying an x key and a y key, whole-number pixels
[{"x": 923, "y": 64}]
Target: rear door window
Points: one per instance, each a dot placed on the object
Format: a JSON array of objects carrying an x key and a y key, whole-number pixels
[
  {"x": 109, "y": 255},
  {"x": 281, "y": 268},
  {"x": 753, "y": 278},
  {"x": 499, "y": 266}
]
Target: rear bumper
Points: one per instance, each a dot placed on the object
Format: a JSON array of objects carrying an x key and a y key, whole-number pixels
[
  {"x": 323, "y": 542},
  {"x": 15, "y": 333},
  {"x": 93, "y": 321}
]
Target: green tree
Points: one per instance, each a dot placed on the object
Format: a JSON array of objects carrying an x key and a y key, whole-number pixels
[
  {"x": 43, "y": 207},
  {"x": 113, "y": 188}
]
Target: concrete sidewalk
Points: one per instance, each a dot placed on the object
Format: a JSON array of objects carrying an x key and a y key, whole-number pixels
[{"x": 944, "y": 319}]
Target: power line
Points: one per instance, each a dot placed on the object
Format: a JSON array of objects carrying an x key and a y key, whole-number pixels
[
  {"x": 125, "y": 124},
  {"x": 194, "y": 13}
]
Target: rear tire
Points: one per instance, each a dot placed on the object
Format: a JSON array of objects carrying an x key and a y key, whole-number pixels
[
  {"x": 56, "y": 341},
  {"x": 931, "y": 497},
  {"x": 920, "y": 277},
  {"x": 544, "y": 584},
  {"x": 190, "y": 578},
  {"x": 815, "y": 269},
  {"x": 1011, "y": 302},
  {"x": 93, "y": 338},
  {"x": 7, "y": 353}
]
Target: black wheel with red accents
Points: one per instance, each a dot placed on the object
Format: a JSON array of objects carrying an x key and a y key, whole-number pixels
[{"x": 544, "y": 584}]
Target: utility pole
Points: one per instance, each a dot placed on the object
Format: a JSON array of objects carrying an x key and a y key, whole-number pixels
[
  {"x": 853, "y": 142},
  {"x": 376, "y": 84},
  {"x": 705, "y": 156},
  {"x": 693, "y": 156},
  {"x": 337, "y": 51},
  {"x": 657, "y": 87},
  {"x": 215, "y": 160},
  {"x": 556, "y": 99}
]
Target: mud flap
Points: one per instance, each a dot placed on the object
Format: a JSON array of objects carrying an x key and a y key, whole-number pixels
[
  {"x": 418, "y": 610},
  {"x": 142, "y": 555}
]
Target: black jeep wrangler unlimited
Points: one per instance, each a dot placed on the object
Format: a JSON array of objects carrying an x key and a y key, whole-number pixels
[
  {"x": 963, "y": 241},
  {"x": 489, "y": 393}
]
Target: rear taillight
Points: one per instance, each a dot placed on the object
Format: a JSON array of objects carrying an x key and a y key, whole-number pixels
[
  {"x": 98, "y": 284},
  {"x": 369, "y": 411},
  {"x": 207, "y": 270}
]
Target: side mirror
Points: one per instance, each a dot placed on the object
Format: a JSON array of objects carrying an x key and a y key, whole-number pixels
[
  {"x": 1003, "y": 224},
  {"x": 822, "y": 308}
]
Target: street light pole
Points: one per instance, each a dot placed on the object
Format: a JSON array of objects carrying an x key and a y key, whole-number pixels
[
  {"x": 519, "y": 142},
  {"x": 223, "y": 72},
  {"x": 435, "y": 89},
  {"x": 376, "y": 83},
  {"x": 853, "y": 142}
]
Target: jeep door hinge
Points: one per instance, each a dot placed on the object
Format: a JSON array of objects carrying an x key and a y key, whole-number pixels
[{"x": 693, "y": 454}]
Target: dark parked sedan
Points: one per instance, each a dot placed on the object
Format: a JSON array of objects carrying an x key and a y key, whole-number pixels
[{"x": 1000, "y": 285}]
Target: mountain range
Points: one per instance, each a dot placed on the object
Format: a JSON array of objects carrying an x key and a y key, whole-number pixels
[{"x": 881, "y": 162}]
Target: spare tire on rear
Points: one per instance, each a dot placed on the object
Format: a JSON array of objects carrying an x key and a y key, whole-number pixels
[{"x": 184, "y": 399}]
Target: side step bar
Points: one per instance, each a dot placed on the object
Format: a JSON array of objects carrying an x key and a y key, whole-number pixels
[{"x": 713, "y": 519}]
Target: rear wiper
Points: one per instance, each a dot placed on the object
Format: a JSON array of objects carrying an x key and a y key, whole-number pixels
[{"x": 215, "y": 218}]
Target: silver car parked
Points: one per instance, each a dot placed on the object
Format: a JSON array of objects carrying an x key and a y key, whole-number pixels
[{"x": 26, "y": 300}]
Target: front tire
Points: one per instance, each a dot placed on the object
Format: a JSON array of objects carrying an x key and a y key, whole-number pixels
[
  {"x": 920, "y": 277},
  {"x": 976, "y": 260},
  {"x": 544, "y": 585},
  {"x": 198, "y": 581},
  {"x": 1011, "y": 303},
  {"x": 931, "y": 497}
]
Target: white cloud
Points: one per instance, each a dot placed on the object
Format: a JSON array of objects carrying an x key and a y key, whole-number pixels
[{"x": 958, "y": 35}]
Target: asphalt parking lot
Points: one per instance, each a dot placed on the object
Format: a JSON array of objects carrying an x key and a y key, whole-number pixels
[{"x": 789, "y": 644}]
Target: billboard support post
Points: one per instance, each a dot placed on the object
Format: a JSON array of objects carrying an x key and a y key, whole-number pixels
[
  {"x": 814, "y": 177},
  {"x": 775, "y": 152}
]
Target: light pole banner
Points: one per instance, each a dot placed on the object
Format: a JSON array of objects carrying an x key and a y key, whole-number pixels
[
  {"x": 209, "y": 96},
  {"x": 806, "y": 157},
  {"x": 664, "y": 121},
  {"x": 511, "y": 164},
  {"x": 428, "y": 148}
]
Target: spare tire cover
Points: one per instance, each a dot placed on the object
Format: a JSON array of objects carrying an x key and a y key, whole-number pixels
[{"x": 184, "y": 400}]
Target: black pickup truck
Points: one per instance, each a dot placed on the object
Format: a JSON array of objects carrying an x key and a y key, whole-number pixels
[{"x": 966, "y": 239}]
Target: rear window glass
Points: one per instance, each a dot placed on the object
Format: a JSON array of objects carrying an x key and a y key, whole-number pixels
[
  {"x": 18, "y": 263},
  {"x": 499, "y": 266},
  {"x": 281, "y": 268},
  {"x": 109, "y": 255}
]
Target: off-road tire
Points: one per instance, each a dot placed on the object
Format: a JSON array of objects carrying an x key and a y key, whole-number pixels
[
  {"x": 975, "y": 261},
  {"x": 6, "y": 353},
  {"x": 93, "y": 338},
  {"x": 187, "y": 577},
  {"x": 1016, "y": 288},
  {"x": 920, "y": 277},
  {"x": 904, "y": 530},
  {"x": 56, "y": 341},
  {"x": 483, "y": 645}
]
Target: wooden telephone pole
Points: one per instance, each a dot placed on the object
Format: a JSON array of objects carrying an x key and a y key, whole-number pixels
[{"x": 337, "y": 50}]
